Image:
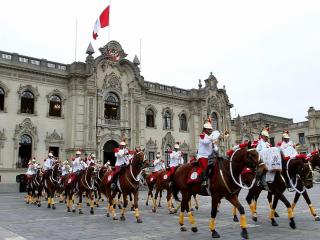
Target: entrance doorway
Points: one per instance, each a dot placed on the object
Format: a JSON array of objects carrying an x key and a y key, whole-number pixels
[
  {"x": 54, "y": 151},
  {"x": 25, "y": 151},
  {"x": 108, "y": 152}
]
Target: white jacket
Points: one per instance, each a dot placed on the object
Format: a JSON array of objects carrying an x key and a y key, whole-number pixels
[
  {"x": 158, "y": 165},
  {"x": 288, "y": 149},
  {"x": 121, "y": 157},
  {"x": 176, "y": 158},
  {"x": 206, "y": 144},
  {"x": 262, "y": 145},
  {"x": 65, "y": 169},
  {"x": 78, "y": 164},
  {"x": 48, "y": 164}
]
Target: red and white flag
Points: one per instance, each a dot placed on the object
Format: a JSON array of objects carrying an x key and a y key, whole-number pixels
[{"x": 102, "y": 21}]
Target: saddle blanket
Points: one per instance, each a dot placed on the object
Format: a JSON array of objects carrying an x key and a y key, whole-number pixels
[{"x": 272, "y": 158}]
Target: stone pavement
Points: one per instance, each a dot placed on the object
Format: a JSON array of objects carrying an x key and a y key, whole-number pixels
[{"x": 19, "y": 221}]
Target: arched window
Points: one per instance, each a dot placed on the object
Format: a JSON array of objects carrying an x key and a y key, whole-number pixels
[
  {"x": 27, "y": 102},
  {"x": 112, "y": 107},
  {"x": 183, "y": 122},
  {"x": 55, "y": 106},
  {"x": 214, "y": 121},
  {"x": 167, "y": 120},
  {"x": 1, "y": 99},
  {"x": 150, "y": 118}
]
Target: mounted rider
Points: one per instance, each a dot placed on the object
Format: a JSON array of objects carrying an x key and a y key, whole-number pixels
[
  {"x": 208, "y": 148},
  {"x": 287, "y": 147},
  {"x": 175, "y": 159},
  {"x": 121, "y": 155},
  {"x": 32, "y": 168},
  {"x": 91, "y": 160},
  {"x": 158, "y": 163},
  {"x": 78, "y": 164},
  {"x": 263, "y": 142},
  {"x": 48, "y": 165}
]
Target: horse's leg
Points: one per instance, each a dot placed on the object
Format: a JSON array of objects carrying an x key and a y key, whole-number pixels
[
  {"x": 160, "y": 196},
  {"x": 125, "y": 204},
  {"x": 149, "y": 194},
  {"x": 48, "y": 198},
  {"x": 191, "y": 218},
  {"x": 80, "y": 201},
  {"x": 233, "y": 199},
  {"x": 136, "y": 209},
  {"x": 312, "y": 209},
  {"x": 214, "y": 209},
  {"x": 112, "y": 203},
  {"x": 52, "y": 199},
  {"x": 131, "y": 202},
  {"x": 181, "y": 216},
  {"x": 154, "y": 200},
  {"x": 91, "y": 194},
  {"x": 273, "y": 211},
  {"x": 252, "y": 199},
  {"x": 292, "y": 223},
  {"x": 196, "y": 201}
]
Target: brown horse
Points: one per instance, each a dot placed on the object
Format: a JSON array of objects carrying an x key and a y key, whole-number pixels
[
  {"x": 226, "y": 181},
  {"x": 51, "y": 183},
  {"x": 128, "y": 182},
  {"x": 150, "y": 181},
  {"x": 84, "y": 182},
  {"x": 291, "y": 168},
  {"x": 34, "y": 188},
  {"x": 163, "y": 183},
  {"x": 312, "y": 165}
]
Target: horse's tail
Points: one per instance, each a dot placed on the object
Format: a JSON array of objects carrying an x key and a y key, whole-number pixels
[{"x": 175, "y": 190}]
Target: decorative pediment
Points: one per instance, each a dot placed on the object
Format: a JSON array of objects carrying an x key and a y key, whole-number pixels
[
  {"x": 167, "y": 109},
  {"x": 167, "y": 140},
  {"x": 5, "y": 88},
  {"x": 184, "y": 146},
  {"x": 113, "y": 51},
  {"x": 30, "y": 88},
  {"x": 26, "y": 127},
  {"x": 152, "y": 108},
  {"x": 54, "y": 136},
  {"x": 56, "y": 92},
  {"x": 112, "y": 81}
]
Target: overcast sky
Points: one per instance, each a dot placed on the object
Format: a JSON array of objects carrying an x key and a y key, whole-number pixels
[{"x": 265, "y": 52}]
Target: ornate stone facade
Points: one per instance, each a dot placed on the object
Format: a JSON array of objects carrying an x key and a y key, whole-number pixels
[{"x": 104, "y": 100}]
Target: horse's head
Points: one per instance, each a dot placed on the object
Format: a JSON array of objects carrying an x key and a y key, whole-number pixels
[
  {"x": 246, "y": 161},
  {"x": 303, "y": 169},
  {"x": 138, "y": 159},
  {"x": 315, "y": 160}
]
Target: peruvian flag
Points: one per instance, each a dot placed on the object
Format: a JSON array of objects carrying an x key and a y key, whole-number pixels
[{"x": 102, "y": 21}]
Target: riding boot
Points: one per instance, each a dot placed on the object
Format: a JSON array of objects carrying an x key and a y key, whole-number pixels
[{"x": 204, "y": 178}]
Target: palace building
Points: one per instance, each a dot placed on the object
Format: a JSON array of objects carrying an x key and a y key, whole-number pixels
[{"x": 93, "y": 105}]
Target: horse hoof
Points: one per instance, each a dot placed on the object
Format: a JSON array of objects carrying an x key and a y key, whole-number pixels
[
  {"x": 196, "y": 207},
  {"x": 147, "y": 204},
  {"x": 235, "y": 219},
  {"x": 292, "y": 224},
  {"x": 91, "y": 211},
  {"x": 132, "y": 209},
  {"x": 159, "y": 205},
  {"x": 68, "y": 210},
  {"x": 108, "y": 214},
  {"x": 274, "y": 223},
  {"x": 183, "y": 229},
  {"x": 194, "y": 229},
  {"x": 153, "y": 210},
  {"x": 97, "y": 205},
  {"x": 39, "y": 205},
  {"x": 276, "y": 214},
  {"x": 255, "y": 219},
  {"x": 88, "y": 204},
  {"x": 215, "y": 234},
  {"x": 53, "y": 207},
  {"x": 48, "y": 206},
  {"x": 317, "y": 218},
  {"x": 115, "y": 218},
  {"x": 73, "y": 210},
  {"x": 139, "y": 220},
  {"x": 119, "y": 206},
  {"x": 102, "y": 200},
  {"x": 244, "y": 234},
  {"x": 61, "y": 201},
  {"x": 80, "y": 212},
  {"x": 27, "y": 202},
  {"x": 191, "y": 209},
  {"x": 122, "y": 218}
]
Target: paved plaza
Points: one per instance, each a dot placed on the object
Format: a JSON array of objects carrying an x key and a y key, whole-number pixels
[{"x": 19, "y": 221}]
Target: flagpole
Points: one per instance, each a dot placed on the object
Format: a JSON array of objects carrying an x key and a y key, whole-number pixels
[
  {"x": 76, "y": 42},
  {"x": 109, "y": 32}
]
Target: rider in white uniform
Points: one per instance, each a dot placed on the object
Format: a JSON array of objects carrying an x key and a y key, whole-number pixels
[
  {"x": 158, "y": 163},
  {"x": 287, "y": 146}
]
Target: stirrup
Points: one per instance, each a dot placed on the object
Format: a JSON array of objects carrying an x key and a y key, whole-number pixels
[{"x": 113, "y": 186}]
